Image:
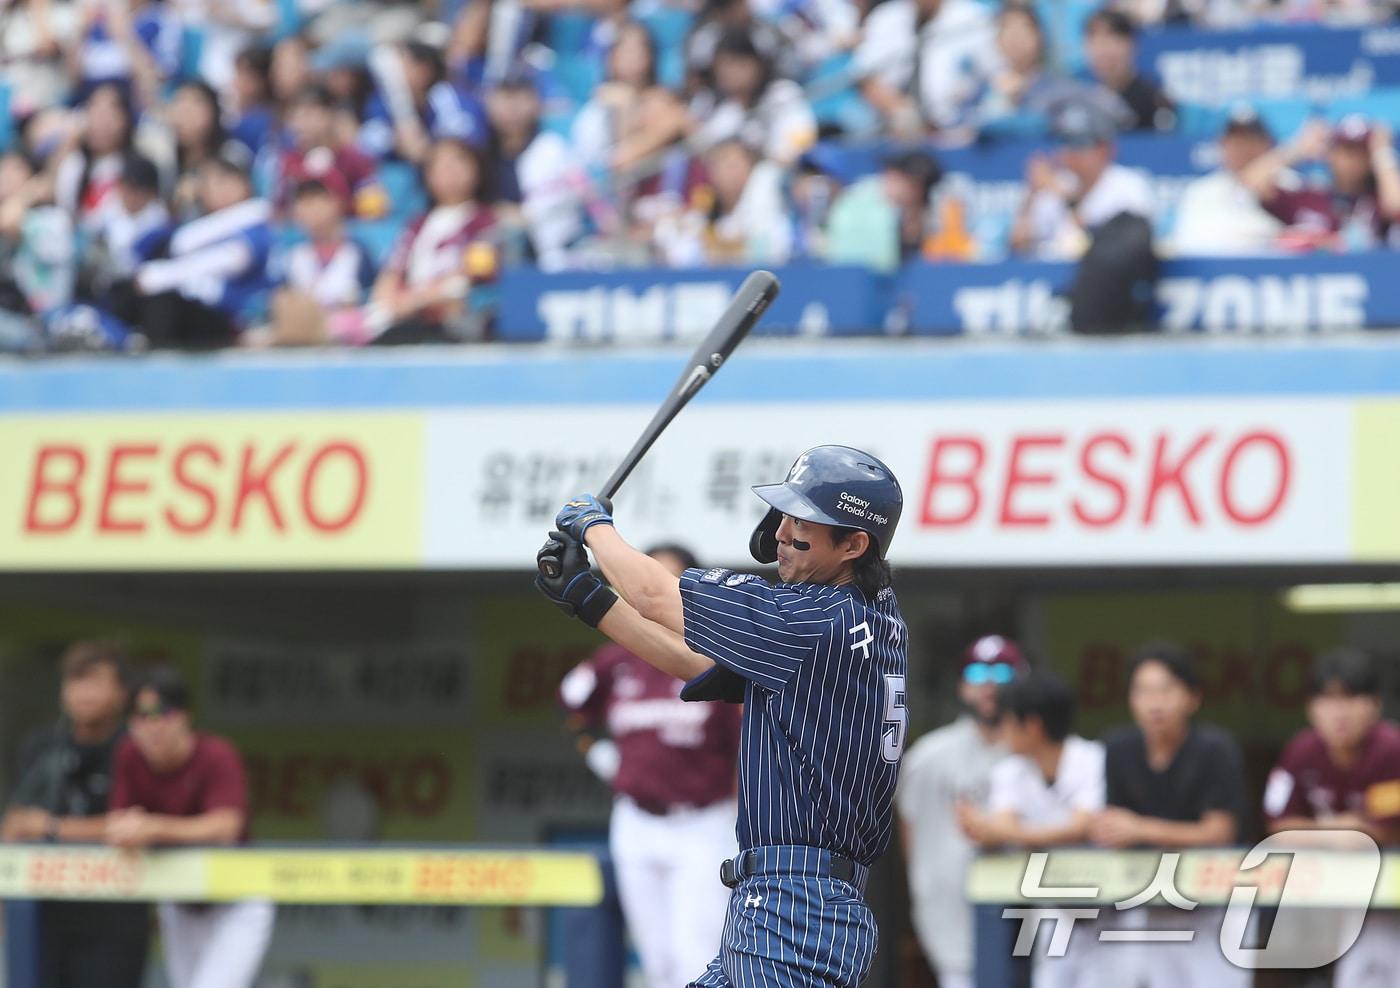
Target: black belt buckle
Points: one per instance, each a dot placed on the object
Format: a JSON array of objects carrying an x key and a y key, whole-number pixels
[{"x": 727, "y": 874}]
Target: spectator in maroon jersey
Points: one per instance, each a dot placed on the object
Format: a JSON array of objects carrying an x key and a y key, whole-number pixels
[
  {"x": 317, "y": 154},
  {"x": 173, "y": 785},
  {"x": 1343, "y": 773},
  {"x": 1359, "y": 204},
  {"x": 424, "y": 294},
  {"x": 671, "y": 767}
]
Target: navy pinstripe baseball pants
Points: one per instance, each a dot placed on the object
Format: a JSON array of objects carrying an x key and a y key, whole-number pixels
[{"x": 790, "y": 929}]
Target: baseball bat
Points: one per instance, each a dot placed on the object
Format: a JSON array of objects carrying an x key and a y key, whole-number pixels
[{"x": 744, "y": 309}]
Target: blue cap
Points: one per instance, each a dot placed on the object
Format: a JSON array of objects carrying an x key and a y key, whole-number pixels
[{"x": 831, "y": 485}]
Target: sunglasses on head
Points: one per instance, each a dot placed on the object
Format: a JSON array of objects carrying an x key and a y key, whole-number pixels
[{"x": 989, "y": 672}]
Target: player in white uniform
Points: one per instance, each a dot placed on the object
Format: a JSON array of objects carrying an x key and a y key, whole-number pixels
[{"x": 946, "y": 767}]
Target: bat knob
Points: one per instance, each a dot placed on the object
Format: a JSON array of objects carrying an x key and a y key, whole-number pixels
[{"x": 550, "y": 568}]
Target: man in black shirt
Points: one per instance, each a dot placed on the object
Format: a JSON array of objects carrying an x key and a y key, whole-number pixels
[
  {"x": 64, "y": 781},
  {"x": 1110, "y": 44},
  {"x": 1170, "y": 784}
]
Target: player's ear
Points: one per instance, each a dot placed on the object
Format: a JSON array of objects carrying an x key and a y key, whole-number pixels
[{"x": 857, "y": 543}]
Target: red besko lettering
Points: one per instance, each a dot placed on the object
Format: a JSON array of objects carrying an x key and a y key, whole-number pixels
[
  {"x": 1107, "y": 479},
  {"x": 1017, "y": 477},
  {"x": 49, "y": 482},
  {"x": 117, "y": 485},
  {"x": 940, "y": 476},
  {"x": 1166, "y": 474},
  {"x": 258, "y": 483},
  {"x": 1282, "y": 468},
  {"x": 203, "y": 490},
  {"x": 357, "y": 494},
  {"x": 195, "y": 488},
  {"x": 1096, "y": 472}
]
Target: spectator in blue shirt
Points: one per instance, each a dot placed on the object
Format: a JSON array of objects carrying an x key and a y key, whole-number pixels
[
  {"x": 438, "y": 109},
  {"x": 135, "y": 43},
  {"x": 216, "y": 270},
  {"x": 253, "y": 117}
]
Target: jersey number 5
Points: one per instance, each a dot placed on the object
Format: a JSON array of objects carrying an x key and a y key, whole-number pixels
[{"x": 896, "y": 719}]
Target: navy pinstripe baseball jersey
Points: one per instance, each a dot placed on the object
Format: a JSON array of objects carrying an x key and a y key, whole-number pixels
[{"x": 824, "y": 716}]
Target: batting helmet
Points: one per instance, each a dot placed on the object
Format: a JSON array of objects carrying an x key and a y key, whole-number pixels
[{"x": 832, "y": 485}]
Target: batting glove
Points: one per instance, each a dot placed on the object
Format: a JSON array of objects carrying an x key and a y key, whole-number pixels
[
  {"x": 577, "y": 590},
  {"x": 580, "y": 514}
]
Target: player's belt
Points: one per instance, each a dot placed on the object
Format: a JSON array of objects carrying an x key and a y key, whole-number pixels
[{"x": 794, "y": 860}]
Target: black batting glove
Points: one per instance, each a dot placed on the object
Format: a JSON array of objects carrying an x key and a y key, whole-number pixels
[{"x": 577, "y": 590}]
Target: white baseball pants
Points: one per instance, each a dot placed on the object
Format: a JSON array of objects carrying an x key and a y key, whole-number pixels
[
  {"x": 214, "y": 946},
  {"x": 668, "y": 879}
]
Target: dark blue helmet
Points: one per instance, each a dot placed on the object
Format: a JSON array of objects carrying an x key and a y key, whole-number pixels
[{"x": 832, "y": 485}]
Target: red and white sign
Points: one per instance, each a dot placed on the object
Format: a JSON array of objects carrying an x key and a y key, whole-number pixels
[{"x": 1045, "y": 483}]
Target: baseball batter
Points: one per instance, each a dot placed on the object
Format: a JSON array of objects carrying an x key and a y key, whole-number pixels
[
  {"x": 671, "y": 766},
  {"x": 819, "y": 663}
]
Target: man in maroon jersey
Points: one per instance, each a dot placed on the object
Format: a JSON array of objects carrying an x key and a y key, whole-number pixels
[
  {"x": 671, "y": 765},
  {"x": 1343, "y": 773},
  {"x": 172, "y": 785}
]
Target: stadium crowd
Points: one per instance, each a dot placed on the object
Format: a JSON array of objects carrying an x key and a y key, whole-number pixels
[{"x": 200, "y": 173}]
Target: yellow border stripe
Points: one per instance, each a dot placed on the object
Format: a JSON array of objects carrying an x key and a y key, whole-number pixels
[{"x": 381, "y": 876}]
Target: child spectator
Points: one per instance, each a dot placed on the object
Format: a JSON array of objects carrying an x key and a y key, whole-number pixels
[
  {"x": 921, "y": 63},
  {"x": 131, "y": 228},
  {"x": 1170, "y": 784},
  {"x": 1343, "y": 773},
  {"x": 217, "y": 270},
  {"x": 316, "y": 154},
  {"x": 172, "y": 785},
  {"x": 1110, "y": 44},
  {"x": 425, "y": 292},
  {"x": 326, "y": 276},
  {"x": 744, "y": 221},
  {"x": 416, "y": 75},
  {"x": 949, "y": 766},
  {"x": 126, "y": 228},
  {"x": 88, "y": 175},
  {"x": 62, "y": 794},
  {"x": 1044, "y": 795}
]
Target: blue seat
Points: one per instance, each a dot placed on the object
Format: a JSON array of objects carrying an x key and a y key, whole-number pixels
[
  {"x": 191, "y": 51},
  {"x": 568, "y": 33},
  {"x": 404, "y": 190},
  {"x": 377, "y": 236},
  {"x": 7, "y": 130},
  {"x": 1379, "y": 104},
  {"x": 668, "y": 27}
]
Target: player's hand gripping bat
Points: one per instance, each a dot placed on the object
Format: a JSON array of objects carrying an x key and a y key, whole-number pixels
[{"x": 748, "y": 304}]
